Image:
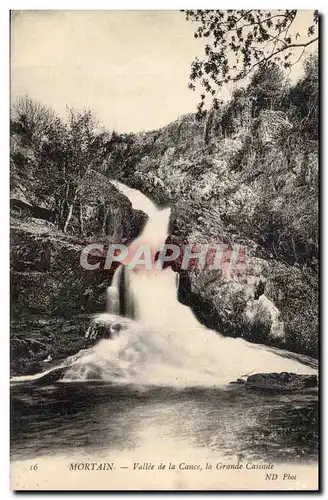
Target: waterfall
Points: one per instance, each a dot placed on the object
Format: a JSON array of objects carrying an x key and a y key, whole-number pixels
[
  {"x": 138, "y": 200},
  {"x": 165, "y": 344}
]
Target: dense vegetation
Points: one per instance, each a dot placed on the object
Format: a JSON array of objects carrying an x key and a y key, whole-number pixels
[
  {"x": 55, "y": 157},
  {"x": 247, "y": 172},
  {"x": 284, "y": 219}
]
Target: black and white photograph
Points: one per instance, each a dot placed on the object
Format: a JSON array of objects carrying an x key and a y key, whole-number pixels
[{"x": 164, "y": 250}]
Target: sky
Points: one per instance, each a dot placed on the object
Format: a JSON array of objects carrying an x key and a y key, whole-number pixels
[{"x": 130, "y": 67}]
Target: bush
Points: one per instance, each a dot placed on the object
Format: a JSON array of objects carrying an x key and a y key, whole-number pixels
[
  {"x": 267, "y": 87},
  {"x": 295, "y": 293},
  {"x": 302, "y": 101}
]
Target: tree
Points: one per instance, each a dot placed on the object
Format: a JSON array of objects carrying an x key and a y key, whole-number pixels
[
  {"x": 55, "y": 157},
  {"x": 73, "y": 150},
  {"x": 239, "y": 41},
  {"x": 31, "y": 119},
  {"x": 30, "y": 124}
]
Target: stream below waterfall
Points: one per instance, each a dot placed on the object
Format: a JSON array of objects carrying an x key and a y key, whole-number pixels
[{"x": 163, "y": 382}]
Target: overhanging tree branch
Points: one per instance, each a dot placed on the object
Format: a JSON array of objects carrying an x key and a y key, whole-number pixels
[{"x": 279, "y": 51}]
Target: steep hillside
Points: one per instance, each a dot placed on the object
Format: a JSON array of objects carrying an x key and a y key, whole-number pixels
[{"x": 239, "y": 177}]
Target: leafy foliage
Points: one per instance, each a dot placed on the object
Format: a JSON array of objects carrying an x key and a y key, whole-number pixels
[
  {"x": 239, "y": 41},
  {"x": 32, "y": 120},
  {"x": 267, "y": 86}
]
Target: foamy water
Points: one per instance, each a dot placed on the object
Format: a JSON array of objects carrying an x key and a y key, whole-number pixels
[{"x": 178, "y": 357}]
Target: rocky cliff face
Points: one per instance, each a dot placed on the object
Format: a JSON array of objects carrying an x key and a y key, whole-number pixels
[{"x": 105, "y": 211}]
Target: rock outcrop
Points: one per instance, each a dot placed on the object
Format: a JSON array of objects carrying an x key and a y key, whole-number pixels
[
  {"x": 281, "y": 382},
  {"x": 241, "y": 178},
  {"x": 47, "y": 276},
  {"x": 105, "y": 326},
  {"x": 105, "y": 211}
]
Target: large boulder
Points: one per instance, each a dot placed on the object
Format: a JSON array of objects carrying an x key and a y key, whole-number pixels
[{"x": 233, "y": 302}]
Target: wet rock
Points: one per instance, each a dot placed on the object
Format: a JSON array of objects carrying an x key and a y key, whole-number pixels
[
  {"x": 230, "y": 299},
  {"x": 104, "y": 326},
  {"x": 281, "y": 381},
  {"x": 97, "y": 331}
]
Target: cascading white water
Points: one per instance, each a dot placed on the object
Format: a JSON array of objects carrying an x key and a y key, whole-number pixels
[
  {"x": 138, "y": 200},
  {"x": 167, "y": 345}
]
